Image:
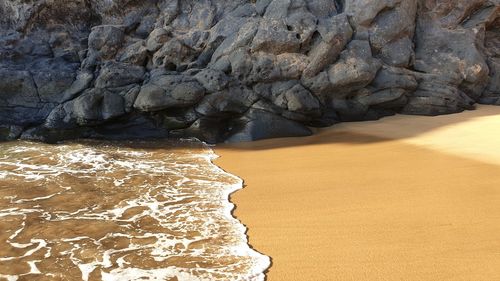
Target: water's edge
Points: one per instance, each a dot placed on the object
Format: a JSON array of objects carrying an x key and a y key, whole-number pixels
[
  {"x": 230, "y": 208},
  {"x": 101, "y": 210}
]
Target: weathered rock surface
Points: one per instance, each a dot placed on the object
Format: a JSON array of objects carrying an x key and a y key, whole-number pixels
[{"x": 238, "y": 70}]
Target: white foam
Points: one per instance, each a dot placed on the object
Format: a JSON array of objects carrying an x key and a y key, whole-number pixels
[
  {"x": 187, "y": 182},
  {"x": 9, "y": 277}
]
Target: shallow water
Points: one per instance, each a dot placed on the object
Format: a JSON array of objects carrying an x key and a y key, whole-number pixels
[{"x": 120, "y": 211}]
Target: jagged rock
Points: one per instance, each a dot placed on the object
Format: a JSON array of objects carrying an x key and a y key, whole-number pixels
[
  {"x": 290, "y": 96},
  {"x": 491, "y": 22},
  {"x": 156, "y": 39},
  {"x": 129, "y": 97},
  {"x": 17, "y": 88},
  {"x": 173, "y": 55},
  {"x": 63, "y": 46},
  {"x": 20, "y": 103},
  {"x": 364, "y": 12},
  {"x": 52, "y": 78},
  {"x": 260, "y": 124},
  {"x": 384, "y": 98},
  {"x": 355, "y": 69},
  {"x": 212, "y": 80},
  {"x": 175, "y": 119},
  {"x": 349, "y": 110},
  {"x": 169, "y": 91},
  {"x": 135, "y": 53},
  {"x": 232, "y": 101},
  {"x": 81, "y": 82},
  {"x": 491, "y": 95},
  {"x": 207, "y": 129},
  {"x": 392, "y": 77},
  {"x": 114, "y": 74},
  {"x": 275, "y": 36},
  {"x": 95, "y": 106},
  {"x": 392, "y": 31},
  {"x": 436, "y": 96},
  {"x": 105, "y": 40},
  {"x": 225, "y": 69},
  {"x": 335, "y": 33}
]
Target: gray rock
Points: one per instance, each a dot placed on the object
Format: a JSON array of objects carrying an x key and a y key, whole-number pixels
[
  {"x": 105, "y": 40},
  {"x": 114, "y": 74},
  {"x": 156, "y": 39},
  {"x": 129, "y": 98},
  {"x": 392, "y": 77},
  {"x": 229, "y": 102},
  {"x": 113, "y": 106},
  {"x": 491, "y": 94},
  {"x": 355, "y": 69},
  {"x": 349, "y": 109},
  {"x": 175, "y": 119},
  {"x": 210, "y": 130},
  {"x": 17, "y": 88},
  {"x": 335, "y": 33},
  {"x": 261, "y": 6},
  {"x": 381, "y": 97},
  {"x": 20, "y": 103},
  {"x": 135, "y": 53},
  {"x": 260, "y": 124},
  {"x": 169, "y": 91},
  {"x": 223, "y": 70},
  {"x": 52, "y": 78},
  {"x": 212, "y": 80},
  {"x": 392, "y": 32},
  {"x": 274, "y": 36},
  {"x": 173, "y": 55},
  {"x": 82, "y": 82},
  {"x": 435, "y": 96},
  {"x": 290, "y": 96}
]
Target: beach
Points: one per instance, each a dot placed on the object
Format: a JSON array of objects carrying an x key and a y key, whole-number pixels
[{"x": 402, "y": 198}]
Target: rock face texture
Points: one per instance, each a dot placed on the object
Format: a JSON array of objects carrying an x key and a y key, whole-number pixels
[{"x": 238, "y": 70}]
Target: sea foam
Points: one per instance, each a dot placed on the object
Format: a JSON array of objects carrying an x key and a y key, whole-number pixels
[{"x": 121, "y": 211}]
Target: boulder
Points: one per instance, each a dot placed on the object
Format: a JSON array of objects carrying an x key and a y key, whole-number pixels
[
  {"x": 95, "y": 106},
  {"x": 169, "y": 91},
  {"x": 213, "y": 80},
  {"x": 156, "y": 39},
  {"x": 259, "y": 124},
  {"x": 225, "y": 69},
  {"x": 232, "y": 101},
  {"x": 335, "y": 33},
  {"x": 105, "y": 40},
  {"x": 20, "y": 103},
  {"x": 52, "y": 78},
  {"x": 135, "y": 53},
  {"x": 382, "y": 97},
  {"x": 115, "y": 74},
  {"x": 355, "y": 69}
]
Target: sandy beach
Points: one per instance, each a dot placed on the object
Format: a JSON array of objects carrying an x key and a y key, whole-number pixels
[{"x": 403, "y": 198}]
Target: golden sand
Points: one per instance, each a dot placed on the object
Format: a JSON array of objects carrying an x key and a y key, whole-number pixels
[{"x": 403, "y": 198}]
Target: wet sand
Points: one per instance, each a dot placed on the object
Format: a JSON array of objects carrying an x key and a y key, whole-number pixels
[{"x": 403, "y": 198}]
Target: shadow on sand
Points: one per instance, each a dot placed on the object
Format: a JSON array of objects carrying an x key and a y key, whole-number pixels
[{"x": 387, "y": 129}]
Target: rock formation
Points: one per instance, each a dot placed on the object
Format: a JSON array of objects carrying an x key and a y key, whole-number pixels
[{"x": 238, "y": 70}]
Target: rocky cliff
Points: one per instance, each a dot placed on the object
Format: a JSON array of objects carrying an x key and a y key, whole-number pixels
[{"x": 237, "y": 70}]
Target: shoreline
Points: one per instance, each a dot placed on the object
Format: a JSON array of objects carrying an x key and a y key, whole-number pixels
[{"x": 404, "y": 200}]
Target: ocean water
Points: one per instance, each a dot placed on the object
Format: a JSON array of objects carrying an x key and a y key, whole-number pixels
[{"x": 120, "y": 211}]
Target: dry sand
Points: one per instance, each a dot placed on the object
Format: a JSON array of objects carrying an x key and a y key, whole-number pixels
[{"x": 403, "y": 198}]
